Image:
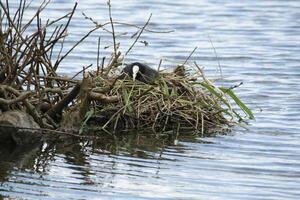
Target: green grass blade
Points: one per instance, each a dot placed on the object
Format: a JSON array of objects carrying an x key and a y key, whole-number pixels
[
  {"x": 214, "y": 92},
  {"x": 126, "y": 97},
  {"x": 87, "y": 116},
  {"x": 238, "y": 102},
  {"x": 165, "y": 88}
]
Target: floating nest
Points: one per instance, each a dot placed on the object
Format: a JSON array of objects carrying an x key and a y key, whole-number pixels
[
  {"x": 174, "y": 102},
  {"x": 101, "y": 101}
]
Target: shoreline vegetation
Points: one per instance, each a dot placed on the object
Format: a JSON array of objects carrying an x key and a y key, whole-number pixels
[{"x": 35, "y": 100}]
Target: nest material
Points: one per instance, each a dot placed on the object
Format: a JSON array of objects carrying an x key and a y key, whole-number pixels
[{"x": 173, "y": 102}]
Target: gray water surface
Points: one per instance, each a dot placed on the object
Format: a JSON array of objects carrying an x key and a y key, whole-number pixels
[{"x": 257, "y": 42}]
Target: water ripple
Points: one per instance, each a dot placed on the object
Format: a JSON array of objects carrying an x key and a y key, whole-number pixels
[{"x": 257, "y": 42}]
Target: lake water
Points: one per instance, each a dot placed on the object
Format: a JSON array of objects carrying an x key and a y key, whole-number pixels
[{"x": 257, "y": 42}]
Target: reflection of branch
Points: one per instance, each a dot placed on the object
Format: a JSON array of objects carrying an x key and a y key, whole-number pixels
[
  {"x": 139, "y": 35},
  {"x": 46, "y": 130}
]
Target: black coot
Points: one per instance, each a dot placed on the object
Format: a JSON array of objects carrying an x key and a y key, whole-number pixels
[{"x": 141, "y": 72}]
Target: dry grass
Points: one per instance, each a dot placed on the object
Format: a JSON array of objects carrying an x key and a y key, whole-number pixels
[{"x": 172, "y": 103}]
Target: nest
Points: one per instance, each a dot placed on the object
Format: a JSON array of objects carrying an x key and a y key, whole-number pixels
[
  {"x": 172, "y": 102},
  {"x": 101, "y": 101}
]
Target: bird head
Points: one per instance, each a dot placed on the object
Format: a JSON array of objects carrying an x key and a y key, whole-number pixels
[{"x": 135, "y": 70}]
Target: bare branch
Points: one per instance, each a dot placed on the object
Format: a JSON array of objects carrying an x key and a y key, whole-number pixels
[{"x": 139, "y": 35}]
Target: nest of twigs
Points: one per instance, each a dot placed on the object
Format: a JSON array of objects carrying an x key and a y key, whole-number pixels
[
  {"x": 29, "y": 83},
  {"x": 172, "y": 102},
  {"x": 175, "y": 101}
]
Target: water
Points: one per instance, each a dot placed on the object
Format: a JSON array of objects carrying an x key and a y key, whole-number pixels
[{"x": 257, "y": 42}]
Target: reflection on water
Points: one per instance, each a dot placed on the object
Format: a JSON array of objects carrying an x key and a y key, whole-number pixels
[
  {"x": 258, "y": 42},
  {"x": 85, "y": 165}
]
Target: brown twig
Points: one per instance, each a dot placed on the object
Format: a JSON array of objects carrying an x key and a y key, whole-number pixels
[
  {"x": 189, "y": 55},
  {"x": 138, "y": 36},
  {"x": 112, "y": 28},
  {"x": 18, "y": 99},
  {"x": 98, "y": 56},
  {"x": 58, "y": 108},
  {"x": 84, "y": 68}
]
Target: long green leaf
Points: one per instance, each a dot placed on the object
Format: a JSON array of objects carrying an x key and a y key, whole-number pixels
[
  {"x": 214, "y": 92},
  {"x": 238, "y": 102},
  {"x": 165, "y": 89},
  {"x": 87, "y": 116},
  {"x": 126, "y": 97}
]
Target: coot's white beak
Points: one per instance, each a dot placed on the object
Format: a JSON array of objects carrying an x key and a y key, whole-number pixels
[{"x": 135, "y": 70}]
